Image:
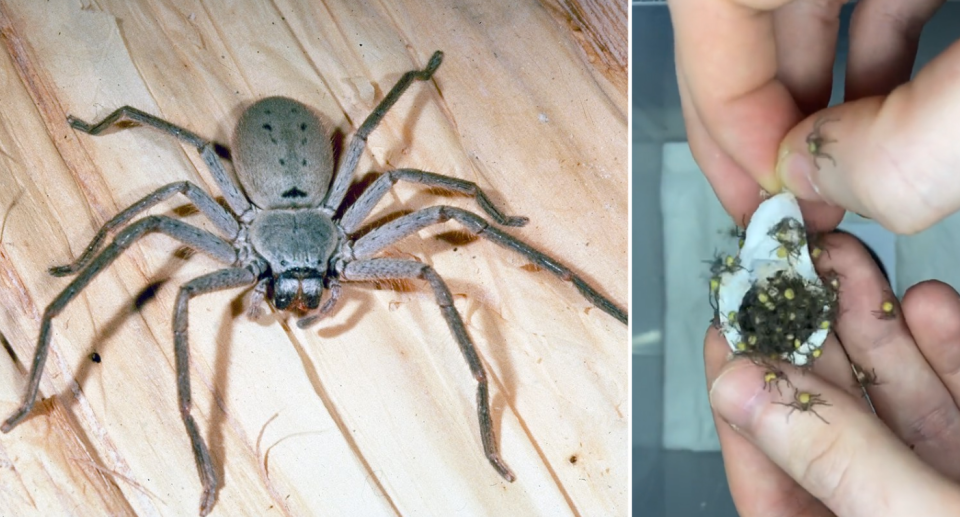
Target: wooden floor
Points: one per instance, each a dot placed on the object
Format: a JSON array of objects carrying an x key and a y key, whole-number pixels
[{"x": 372, "y": 411}]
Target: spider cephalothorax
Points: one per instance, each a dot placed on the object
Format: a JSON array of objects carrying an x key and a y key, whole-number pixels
[
  {"x": 298, "y": 246},
  {"x": 287, "y": 232}
]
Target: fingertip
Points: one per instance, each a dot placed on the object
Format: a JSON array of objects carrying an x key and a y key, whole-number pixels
[
  {"x": 931, "y": 309},
  {"x": 833, "y": 448},
  {"x": 795, "y": 171},
  {"x": 771, "y": 183},
  {"x": 738, "y": 393},
  {"x": 716, "y": 353}
]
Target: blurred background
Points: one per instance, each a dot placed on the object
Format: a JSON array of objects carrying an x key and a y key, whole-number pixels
[{"x": 678, "y": 223}]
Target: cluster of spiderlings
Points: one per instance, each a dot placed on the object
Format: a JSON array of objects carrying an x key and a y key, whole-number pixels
[
  {"x": 778, "y": 316},
  {"x": 791, "y": 236}
]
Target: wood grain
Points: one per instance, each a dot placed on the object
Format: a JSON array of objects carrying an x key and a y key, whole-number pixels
[{"x": 371, "y": 411}]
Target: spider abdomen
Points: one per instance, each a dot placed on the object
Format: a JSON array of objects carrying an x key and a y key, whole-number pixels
[{"x": 283, "y": 154}]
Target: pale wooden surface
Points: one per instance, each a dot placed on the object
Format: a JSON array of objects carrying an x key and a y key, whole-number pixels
[{"x": 371, "y": 412}]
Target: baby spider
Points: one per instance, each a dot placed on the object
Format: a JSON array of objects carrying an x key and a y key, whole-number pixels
[
  {"x": 714, "y": 299},
  {"x": 805, "y": 401},
  {"x": 791, "y": 236},
  {"x": 863, "y": 377},
  {"x": 811, "y": 359},
  {"x": 773, "y": 374},
  {"x": 288, "y": 230},
  {"x": 888, "y": 307},
  {"x": 790, "y": 249},
  {"x": 788, "y": 230},
  {"x": 715, "y": 293},
  {"x": 723, "y": 264},
  {"x": 831, "y": 281},
  {"x": 731, "y": 321},
  {"x": 816, "y": 141},
  {"x": 738, "y": 233},
  {"x": 817, "y": 245}
]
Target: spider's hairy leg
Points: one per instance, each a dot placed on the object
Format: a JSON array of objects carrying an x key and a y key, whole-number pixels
[
  {"x": 200, "y": 240},
  {"x": 349, "y": 160},
  {"x": 382, "y": 269},
  {"x": 399, "y": 228},
  {"x": 256, "y": 298},
  {"x": 359, "y": 210},
  {"x": 224, "y": 221},
  {"x": 216, "y": 281},
  {"x": 128, "y": 116}
]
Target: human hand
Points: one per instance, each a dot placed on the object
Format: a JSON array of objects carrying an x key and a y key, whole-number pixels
[
  {"x": 750, "y": 71},
  {"x": 903, "y": 461}
]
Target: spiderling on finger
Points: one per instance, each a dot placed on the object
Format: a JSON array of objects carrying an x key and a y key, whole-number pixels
[
  {"x": 863, "y": 377},
  {"x": 816, "y": 141},
  {"x": 805, "y": 401},
  {"x": 888, "y": 307}
]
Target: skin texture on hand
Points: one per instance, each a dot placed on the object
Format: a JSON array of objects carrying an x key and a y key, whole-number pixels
[
  {"x": 902, "y": 461},
  {"x": 753, "y": 75},
  {"x": 895, "y": 158}
]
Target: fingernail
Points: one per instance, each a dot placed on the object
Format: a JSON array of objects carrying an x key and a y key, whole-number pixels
[
  {"x": 795, "y": 169},
  {"x": 771, "y": 184},
  {"x": 738, "y": 396}
]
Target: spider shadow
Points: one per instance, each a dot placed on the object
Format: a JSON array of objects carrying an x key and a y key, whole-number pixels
[
  {"x": 101, "y": 338},
  {"x": 221, "y": 369},
  {"x": 497, "y": 364},
  {"x": 103, "y": 335},
  {"x": 334, "y": 324},
  {"x": 14, "y": 358},
  {"x": 157, "y": 281},
  {"x": 417, "y": 105}
]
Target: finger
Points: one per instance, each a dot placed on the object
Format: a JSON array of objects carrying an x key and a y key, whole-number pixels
[
  {"x": 737, "y": 191},
  {"x": 806, "y": 33},
  {"x": 853, "y": 464},
  {"x": 892, "y": 159},
  {"x": 884, "y": 35},
  {"x": 932, "y": 311},
  {"x": 727, "y": 53},
  {"x": 908, "y": 396},
  {"x": 757, "y": 485},
  {"x": 833, "y": 366}
]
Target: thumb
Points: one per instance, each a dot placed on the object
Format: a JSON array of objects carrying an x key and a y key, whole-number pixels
[
  {"x": 892, "y": 158},
  {"x": 849, "y": 460}
]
